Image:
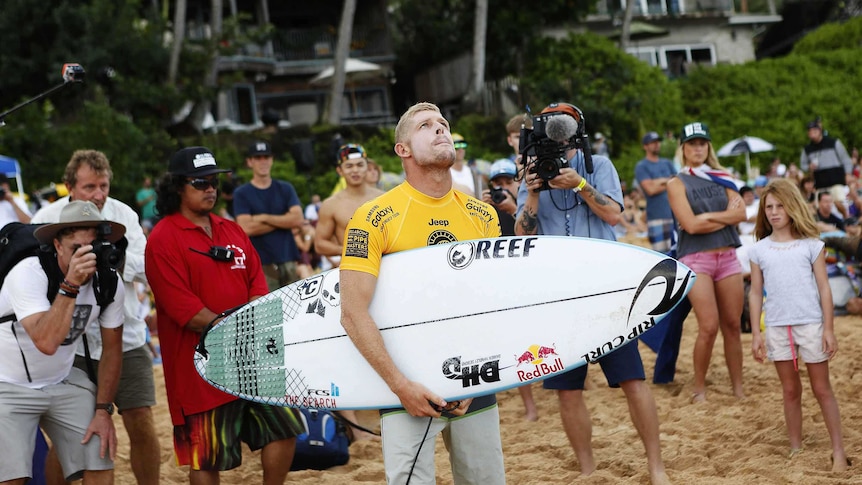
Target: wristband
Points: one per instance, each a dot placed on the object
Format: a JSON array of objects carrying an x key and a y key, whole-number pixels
[
  {"x": 70, "y": 285},
  {"x": 67, "y": 294},
  {"x": 581, "y": 185}
]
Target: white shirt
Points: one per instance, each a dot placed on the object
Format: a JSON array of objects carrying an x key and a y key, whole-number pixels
[
  {"x": 464, "y": 177},
  {"x": 24, "y": 293},
  {"x": 135, "y": 329},
  {"x": 788, "y": 280},
  {"x": 7, "y": 212}
]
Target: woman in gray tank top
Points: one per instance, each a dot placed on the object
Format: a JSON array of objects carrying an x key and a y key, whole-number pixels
[{"x": 707, "y": 206}]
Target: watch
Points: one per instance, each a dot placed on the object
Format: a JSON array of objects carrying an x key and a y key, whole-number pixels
[{"x": 107, "y": 406}]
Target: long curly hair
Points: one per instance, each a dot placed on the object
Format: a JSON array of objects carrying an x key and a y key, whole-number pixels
[
  {"x": 789, "y": 195},
  {"x": 168, "y": 189}
]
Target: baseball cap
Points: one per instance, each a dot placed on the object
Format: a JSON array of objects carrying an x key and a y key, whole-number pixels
[
  {"x": 459, "y": 140},
  {"x": 349, "y": 152},
  {"x": 650, "y": 137},
  {"x": 78, "y": 213},
  {"x": 598, "y": 136},
  {"x": 259, "y": 148},
  {"x": 194, "y": 162},
  {"x": 761, "y": 181},
  {"x": 503, "y": 166},
  {"x": 695, "y": 130},
  {"x": 813, "y": 124}
]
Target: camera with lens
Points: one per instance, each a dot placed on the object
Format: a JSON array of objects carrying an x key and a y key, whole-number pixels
[
  {"x": 557, "y": 129},
  {"x": 108, "y": 256},
  {"x": 498, "y": 194}
]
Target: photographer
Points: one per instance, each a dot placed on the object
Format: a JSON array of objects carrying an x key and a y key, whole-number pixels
[
  {"x": 568, "y": 192},
  {"x": 88, "y": 178},
  {"x": 501, "y": 194},
  {"x": 38, "y": 384},
  {"x": 12, "y": 208}
]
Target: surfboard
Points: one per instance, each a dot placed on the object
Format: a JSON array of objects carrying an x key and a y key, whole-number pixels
[{"x": 465, "y": 319}]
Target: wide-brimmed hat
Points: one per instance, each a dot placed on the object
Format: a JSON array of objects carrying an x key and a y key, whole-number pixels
[
  {"x": 194, "y": 162},
  {"x": 79, "y": 213}
]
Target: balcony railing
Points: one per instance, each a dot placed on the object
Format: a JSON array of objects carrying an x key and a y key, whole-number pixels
[
  {"x": 665, "y": 7},
  {"x": 304, "y": 44}
]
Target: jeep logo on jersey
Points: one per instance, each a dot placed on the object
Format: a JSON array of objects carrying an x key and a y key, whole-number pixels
[
  {"x": 441, "y": 237},
  {"x": 472, "y": 372}
]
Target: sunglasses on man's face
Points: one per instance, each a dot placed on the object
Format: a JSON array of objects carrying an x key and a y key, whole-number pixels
[{"x": 203, "y": 184}]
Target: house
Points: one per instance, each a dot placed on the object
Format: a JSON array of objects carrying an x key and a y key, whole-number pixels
[
  {"x": 270, "y": 82},
  {"x": 674, "y": 34}
]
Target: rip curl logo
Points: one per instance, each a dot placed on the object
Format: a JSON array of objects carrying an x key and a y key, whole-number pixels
[
  {"x": 665, "y": 270},
  {"x": 461, "y": 255},
  {"x": 441, "y": 237},
  {"x": 324, "y": 289},
  {"x": 238, "y": 256}
]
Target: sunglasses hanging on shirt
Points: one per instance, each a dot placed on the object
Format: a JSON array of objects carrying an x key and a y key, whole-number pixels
[{"x": 217, "y": 253}]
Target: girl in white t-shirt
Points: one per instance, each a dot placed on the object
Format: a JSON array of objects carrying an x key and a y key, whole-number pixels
[{"x": 789, "y": 262}]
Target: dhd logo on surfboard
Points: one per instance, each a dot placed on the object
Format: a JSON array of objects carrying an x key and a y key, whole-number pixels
[{"x": 472, "y": 372}]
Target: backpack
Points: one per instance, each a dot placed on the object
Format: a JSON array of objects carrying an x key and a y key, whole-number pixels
[
  {"x": 323, "y": 445},
  {"x": 18, "y": 242}
]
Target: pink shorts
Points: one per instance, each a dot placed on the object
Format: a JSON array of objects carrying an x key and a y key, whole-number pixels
[{"x": 718, "y": 265}]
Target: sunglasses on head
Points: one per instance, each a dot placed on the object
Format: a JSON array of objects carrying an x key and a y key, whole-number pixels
[{"x": 203, "y": 184}]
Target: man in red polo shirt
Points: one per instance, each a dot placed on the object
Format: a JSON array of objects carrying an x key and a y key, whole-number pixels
[{"x": 202, "y": 265}]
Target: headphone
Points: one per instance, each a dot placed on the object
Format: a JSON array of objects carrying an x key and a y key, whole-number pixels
[{"x": 581, "y": 139}]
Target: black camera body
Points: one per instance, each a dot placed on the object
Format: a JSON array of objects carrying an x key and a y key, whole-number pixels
[
  {"x": 544, "y": 147},
  {"x": 498, "y": 195},
  {"x": 108, "y": 256}
]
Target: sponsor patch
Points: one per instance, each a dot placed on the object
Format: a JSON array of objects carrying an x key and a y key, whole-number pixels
[
  {"x": 441, "y": 237},
  {"x": 356, "y": 244}
]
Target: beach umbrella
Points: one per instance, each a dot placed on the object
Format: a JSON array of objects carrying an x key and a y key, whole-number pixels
[
  {"x": 354, "y": 70},
  {"x": 745, "y": 145}
]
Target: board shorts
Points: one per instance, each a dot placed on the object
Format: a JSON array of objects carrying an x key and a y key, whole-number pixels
[
  {"x": 660, "y": 234},
  {"x": 623, "y": 364},
  {"x": 212, "y": 440},
  {"x": 64, "y": 411},
  {"x": 789, "y": 342},
  {"x": 718, "y": 265},
  {"x": 473, "y": 441},
  {"x": 280, "y": 274},
  {"x": 137, "y": 388}
]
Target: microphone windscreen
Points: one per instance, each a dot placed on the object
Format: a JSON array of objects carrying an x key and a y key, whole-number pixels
[{"x": 561, "y": 127}]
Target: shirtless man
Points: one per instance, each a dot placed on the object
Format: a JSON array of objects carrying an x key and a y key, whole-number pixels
[{"x": 333, "y": 216}]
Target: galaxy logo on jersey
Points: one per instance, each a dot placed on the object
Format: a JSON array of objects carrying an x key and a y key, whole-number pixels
[
  {"x": 441, "y": 237},
  {"x": 356, "y": 244}
]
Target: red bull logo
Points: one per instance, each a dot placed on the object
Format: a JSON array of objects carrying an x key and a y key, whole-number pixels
[
  {"x": 539, "y": 358},
  {"x": 535, "y": 354}
]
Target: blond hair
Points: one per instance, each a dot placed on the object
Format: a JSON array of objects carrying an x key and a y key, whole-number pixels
[
  {"x": 402, "y": 127},
  {"x": 788, "y": 194},
  {"x": 711, "y": 157}
]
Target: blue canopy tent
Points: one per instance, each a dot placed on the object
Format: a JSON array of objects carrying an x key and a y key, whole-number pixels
[{"x": 11, "y": 168}]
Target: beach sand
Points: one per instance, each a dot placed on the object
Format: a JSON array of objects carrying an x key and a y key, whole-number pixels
[{"x": 722, "y": 441}]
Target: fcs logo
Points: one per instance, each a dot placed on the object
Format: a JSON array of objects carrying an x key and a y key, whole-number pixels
[
  {"x": 664, "y": 270},
  {"x": 461, "y": 255}
]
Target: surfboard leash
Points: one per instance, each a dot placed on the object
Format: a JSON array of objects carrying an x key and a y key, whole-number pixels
[
  {"x": 201, "y": 348},
  {"x": 350, "y": 423},
  {"x": 416, "y": 458}
]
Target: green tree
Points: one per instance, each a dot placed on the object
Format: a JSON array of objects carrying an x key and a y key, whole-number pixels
[{"x": 620, "y": 96}]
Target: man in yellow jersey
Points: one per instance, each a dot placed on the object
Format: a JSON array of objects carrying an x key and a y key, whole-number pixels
[{"x": 422, "y": 211}]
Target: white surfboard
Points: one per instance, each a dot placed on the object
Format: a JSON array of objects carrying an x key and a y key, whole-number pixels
[{"x": 465, "y": 319}]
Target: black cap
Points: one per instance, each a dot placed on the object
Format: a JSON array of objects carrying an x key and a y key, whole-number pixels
[
  {"x": 194, "y": 162},
  {"x": 813, "y": 124},
  {"x": 259, "y": 148}
]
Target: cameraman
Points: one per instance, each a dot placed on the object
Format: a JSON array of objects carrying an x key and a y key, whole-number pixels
[
  {"x": 12, "y": 208},
  {"x": 501, "y": 194},
  {"x": 579, "y": 203}
]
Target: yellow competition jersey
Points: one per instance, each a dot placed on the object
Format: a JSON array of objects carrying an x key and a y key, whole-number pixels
[{"x": 405, "y": 218}]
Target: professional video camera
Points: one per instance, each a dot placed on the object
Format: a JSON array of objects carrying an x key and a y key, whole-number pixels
[
  {"x": 108, "y": 256},
  {"x": 558, "y": 128}
]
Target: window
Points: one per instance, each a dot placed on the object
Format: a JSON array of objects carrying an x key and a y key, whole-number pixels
[{"x": 674, "y": 60}]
